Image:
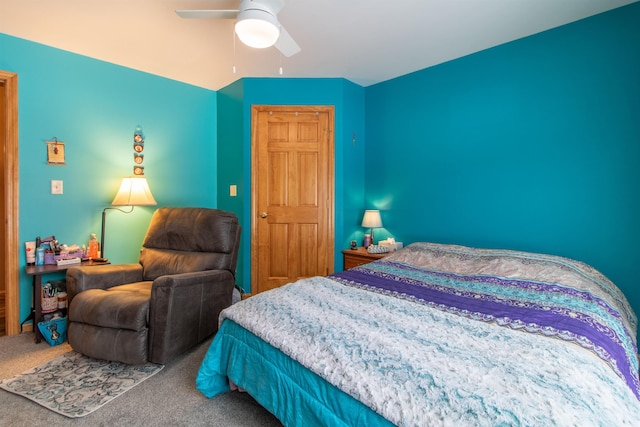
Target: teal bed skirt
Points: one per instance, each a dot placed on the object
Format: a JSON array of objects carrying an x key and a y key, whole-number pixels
[{"x": 294, "y": 394}]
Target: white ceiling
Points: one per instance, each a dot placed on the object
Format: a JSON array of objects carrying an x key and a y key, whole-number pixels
[{"x": 365, "y": 41}]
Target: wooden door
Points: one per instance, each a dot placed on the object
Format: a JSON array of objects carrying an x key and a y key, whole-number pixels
[
  {"x": 3, "y": 237},
  {"x": 9, "y": 212},
  {"x": 292, "y": 194}
]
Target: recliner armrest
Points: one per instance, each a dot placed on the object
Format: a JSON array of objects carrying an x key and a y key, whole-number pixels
[
  {"x": 184, "y": 310},
  {"x": 196, "y": 277},
  {"x": 101, "y": 277}
]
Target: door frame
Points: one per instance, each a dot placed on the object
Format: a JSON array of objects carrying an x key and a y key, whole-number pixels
[
  {"x": 12, "y": 198},
  {"x": 255, "y": 109}
]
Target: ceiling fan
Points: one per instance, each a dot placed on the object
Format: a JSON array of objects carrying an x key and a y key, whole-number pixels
[{"x": 256, "y": 25}]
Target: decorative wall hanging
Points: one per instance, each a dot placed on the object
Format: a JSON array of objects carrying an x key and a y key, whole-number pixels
[
  {"x": 55, "y": 152},
  {"x": 138, "y": 147}
]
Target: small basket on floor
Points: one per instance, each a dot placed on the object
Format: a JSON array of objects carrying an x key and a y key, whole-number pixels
[{"x": 54, "y": 331}]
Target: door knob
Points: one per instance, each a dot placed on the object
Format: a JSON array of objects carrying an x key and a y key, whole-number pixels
[{"x": 263, "y": 215}]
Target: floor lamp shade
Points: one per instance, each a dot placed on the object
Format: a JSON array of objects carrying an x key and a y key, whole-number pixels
[{"x": 134, "y": 191}]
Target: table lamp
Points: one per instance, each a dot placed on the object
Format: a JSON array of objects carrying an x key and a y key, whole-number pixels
[
  {"x": 134, "y": 191},
  {"x": 372, "y": 220}
]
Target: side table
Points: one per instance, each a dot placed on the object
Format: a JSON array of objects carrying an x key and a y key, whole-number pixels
[
  {"x": 353, "y": 258},
  {"x": 37, "y": 271}
]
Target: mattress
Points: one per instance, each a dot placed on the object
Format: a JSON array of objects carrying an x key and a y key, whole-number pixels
[{"x": 436, "y": 335}]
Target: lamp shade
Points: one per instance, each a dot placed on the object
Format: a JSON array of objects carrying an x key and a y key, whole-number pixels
[
  {"x": 257, "y": 28},
  {"x": 134, "y": 191},
  {"x": 372, "y": 219}
]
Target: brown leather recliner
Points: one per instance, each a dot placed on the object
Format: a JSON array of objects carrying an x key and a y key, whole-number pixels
[{"x": 165, "y": 304}]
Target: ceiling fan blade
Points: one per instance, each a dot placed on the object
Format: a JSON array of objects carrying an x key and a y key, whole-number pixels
[
  {"x": 286, "y": 44},
  {"x": 208, "y": 14}
]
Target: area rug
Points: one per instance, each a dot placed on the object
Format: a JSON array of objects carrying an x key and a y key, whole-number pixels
[{"x": 75, "y": 385}]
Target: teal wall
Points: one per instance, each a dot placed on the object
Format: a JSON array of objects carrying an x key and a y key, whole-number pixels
[
  {"x": 231, "y": 170},
  {"x": 234, "y": 148},
  {"x": 532, "y": 145},
  {"x": 94, "y": 108}
]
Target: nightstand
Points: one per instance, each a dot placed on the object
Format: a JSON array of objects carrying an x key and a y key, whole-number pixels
[{"x": 353, "y": 258}]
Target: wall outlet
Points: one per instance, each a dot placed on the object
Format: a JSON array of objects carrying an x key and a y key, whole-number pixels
[
  {"x": 56, "y": 187},
  {"x": 233, "y": 190}
]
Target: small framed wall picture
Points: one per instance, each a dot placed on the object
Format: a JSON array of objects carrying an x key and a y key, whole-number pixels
[{"x": 55, "y": 153}]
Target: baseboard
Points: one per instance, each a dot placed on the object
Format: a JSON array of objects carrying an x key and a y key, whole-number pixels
[
  {"x": 27, "y": 327},
  {"x": 245, "y": 296}
]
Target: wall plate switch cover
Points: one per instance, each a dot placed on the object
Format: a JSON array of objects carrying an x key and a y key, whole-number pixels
[{"x": 56, "y": 186}]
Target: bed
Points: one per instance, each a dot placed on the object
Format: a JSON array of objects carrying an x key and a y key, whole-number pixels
[{"x": 435, "y": 335}]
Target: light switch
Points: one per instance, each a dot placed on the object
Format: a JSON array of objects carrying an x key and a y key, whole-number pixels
[
  {"x": 56, "y": 187},
  {"x": 233, "y": 192}
]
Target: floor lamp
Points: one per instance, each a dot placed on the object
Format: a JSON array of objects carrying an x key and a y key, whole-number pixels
[{"x": 134, "y": 191}]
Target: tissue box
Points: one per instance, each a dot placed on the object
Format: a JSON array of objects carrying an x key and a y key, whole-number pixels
[{"x": 391, "y": 244}]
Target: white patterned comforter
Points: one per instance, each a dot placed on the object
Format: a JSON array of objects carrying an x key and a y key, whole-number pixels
[{"x": 419, "y": 363}]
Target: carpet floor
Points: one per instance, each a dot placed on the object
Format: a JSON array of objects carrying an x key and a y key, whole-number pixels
[{"x": 169, "y": 398}]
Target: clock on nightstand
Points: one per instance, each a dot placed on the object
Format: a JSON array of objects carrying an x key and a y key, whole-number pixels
[{"x": 353, "y": 258}]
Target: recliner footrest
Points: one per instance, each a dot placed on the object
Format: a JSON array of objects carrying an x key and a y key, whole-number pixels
[{"x": 109, "y": 344}]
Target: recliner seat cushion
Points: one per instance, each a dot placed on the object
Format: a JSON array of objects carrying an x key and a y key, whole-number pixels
[
  {"x": 137, "y": 287},
  {"x": 120, "y": 307}
]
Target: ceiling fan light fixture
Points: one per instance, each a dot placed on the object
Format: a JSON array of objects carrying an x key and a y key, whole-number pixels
[{"x": 257, "y": 28}]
